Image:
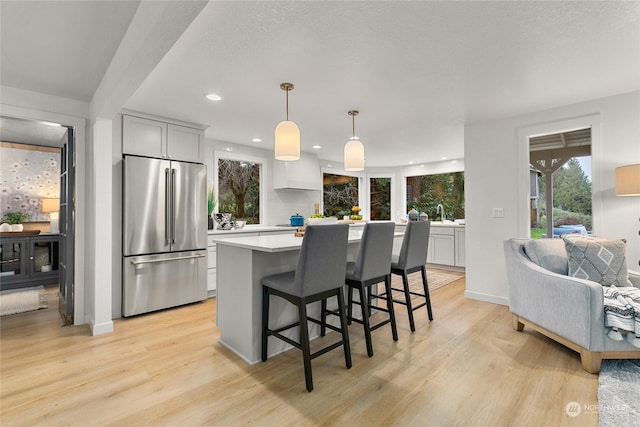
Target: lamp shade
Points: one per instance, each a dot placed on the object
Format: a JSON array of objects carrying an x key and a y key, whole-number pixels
[
  {"x": 50, "y": 205},
  {"x": 353, "y": 155},
  {"x": 287, "y": 137},
  {"x": 628, "y": 180}
]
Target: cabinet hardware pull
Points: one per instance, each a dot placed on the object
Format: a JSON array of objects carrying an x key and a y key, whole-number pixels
[{"x": 152, "y": 261}]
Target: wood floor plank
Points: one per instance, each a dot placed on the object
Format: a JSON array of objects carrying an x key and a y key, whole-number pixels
[{"x": 467, "y": 367}]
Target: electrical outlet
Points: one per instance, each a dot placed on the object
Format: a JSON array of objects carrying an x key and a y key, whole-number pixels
[{"x": 497, "y": 212}]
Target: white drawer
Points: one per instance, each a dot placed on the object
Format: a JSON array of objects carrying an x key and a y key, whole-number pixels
[
  {"x": 438, "y": 229},
  {"x": 211, "y": 259}
]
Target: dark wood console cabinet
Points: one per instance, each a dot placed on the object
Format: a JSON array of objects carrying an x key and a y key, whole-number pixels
[{"x": 27, "y": 261}]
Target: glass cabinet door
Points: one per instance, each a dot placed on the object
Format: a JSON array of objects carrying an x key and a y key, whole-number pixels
[
  {"x": 44, "y": 256},
  {"x": 13, "y": 259}
]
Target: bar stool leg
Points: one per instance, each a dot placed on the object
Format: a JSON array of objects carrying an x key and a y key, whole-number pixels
[
  {"x": 425, "y": 285},
  {"x": 323, "y": 318},
  {"x": 407, "y": 296},
  {"x": 345, "y": 331},
  {"x": 350, "y": 305},
  {"x": 304, "y": 344},
  {"x": 265, "y": 322},
  {"x": 392, "y": 315},
  {"x": 365, "y": 319}
]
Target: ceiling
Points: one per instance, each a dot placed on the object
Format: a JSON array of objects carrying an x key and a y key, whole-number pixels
[{"x": 417, "y": 71}]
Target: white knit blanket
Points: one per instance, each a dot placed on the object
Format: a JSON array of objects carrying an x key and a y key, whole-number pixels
[{"x": 622, "y": 313}]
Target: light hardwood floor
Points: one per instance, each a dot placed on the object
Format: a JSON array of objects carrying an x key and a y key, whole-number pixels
[{"x": 467, "y": 367}]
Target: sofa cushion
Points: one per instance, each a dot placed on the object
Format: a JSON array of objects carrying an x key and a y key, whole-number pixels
[
  {"x": 598, "y": 260},
  {"x": 549, "y": 254}
]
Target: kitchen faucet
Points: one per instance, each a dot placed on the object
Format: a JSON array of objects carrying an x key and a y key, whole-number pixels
[{"x": 440, "y": 208}]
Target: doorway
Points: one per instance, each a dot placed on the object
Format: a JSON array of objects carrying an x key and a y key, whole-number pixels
[{"x": 54, "y": 211}]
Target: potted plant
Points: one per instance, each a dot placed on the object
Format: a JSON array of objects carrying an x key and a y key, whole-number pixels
[
  {"x": 15, "y": 219},
  {"x": 211, "y": 204}
]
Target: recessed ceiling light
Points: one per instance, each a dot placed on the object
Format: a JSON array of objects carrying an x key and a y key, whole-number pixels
[
  {"x": 443, "y": 158},
  {"x": 317, "y": 147},
  {"x": 213, "y": 97},
  {"x": 411, "y": 162},
  {"x": 228, "y": 149},
  {"x": 454, "y": 161},
  {"x": 256, "y": 140},
  {"x": 422, "y": 165}
]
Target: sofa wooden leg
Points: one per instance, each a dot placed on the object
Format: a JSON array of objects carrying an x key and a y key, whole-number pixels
[
  {"x": 591, "y": 361},
  {"x": 517, "y": 325}
]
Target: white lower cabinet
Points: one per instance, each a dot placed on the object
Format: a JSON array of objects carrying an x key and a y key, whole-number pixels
[
  {"x": 441, "y": 248},
  {"x": 460, "y": 261},
  {"x": 211, "y": 264}
]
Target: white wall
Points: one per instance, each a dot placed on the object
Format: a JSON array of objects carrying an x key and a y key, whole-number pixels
[{"x": 494, "y": 165}]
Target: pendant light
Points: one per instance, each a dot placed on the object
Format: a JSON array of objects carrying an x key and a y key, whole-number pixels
[
  {"x": 287, "y": 135},
  {"x": 353, "y": 149}
]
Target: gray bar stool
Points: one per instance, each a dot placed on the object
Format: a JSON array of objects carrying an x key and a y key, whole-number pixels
[
  {"x": 318, "y": 276},
  {"x": 372, "y": 266},
  {"x": 413, "y": 258}
]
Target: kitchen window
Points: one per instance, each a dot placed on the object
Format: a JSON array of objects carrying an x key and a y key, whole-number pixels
[
  {"x": 239, "y": 189},
  {"x": 340, "y": 194},
  {"x": 380, "y": 198},
  {"x": 426, "y": 192}
]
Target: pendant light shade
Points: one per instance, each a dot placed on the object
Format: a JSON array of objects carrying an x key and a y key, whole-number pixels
[
  {"x": 287, "y": 134},
  {"x": 353, "y": 149}
]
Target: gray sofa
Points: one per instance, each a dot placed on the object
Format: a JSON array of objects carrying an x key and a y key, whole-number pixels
[{"x": 566, "y": 309}]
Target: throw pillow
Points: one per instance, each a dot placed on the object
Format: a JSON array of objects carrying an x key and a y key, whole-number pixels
[
  {"x": 549, "y": 254},
  {"x": 598, "y": 260}
]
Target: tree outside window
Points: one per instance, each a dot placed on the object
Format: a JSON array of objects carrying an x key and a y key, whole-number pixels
[
  {"x": 340, "y": 194},
  {"x": 426, "y": 192},
  {"x": 380, "y": 198},
  {"x": 239, "y": 189}
]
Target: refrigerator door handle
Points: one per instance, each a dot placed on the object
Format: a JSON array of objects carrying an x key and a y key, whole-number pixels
[
  {"x": 173, "y": 207},
  {"x": 153, "y": 261},
  {"x": 167, "y": 204}
]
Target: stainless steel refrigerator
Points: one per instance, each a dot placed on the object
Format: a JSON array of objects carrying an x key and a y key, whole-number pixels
[{"x": 164, "y": 234}]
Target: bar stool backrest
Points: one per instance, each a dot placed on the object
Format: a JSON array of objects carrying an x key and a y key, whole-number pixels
[
  {"x": 374, "y": 255},
  {"x": 414, "y": 245},
  {"x": 323, "y": 259}
]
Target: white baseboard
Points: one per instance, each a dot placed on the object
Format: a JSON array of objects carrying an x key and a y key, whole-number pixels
[
  {"x": 487, "y": 298},
  {"x": 102, "y": 328}
]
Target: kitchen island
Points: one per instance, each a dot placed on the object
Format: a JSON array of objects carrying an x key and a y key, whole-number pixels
[{"x": 242, "y": 262}]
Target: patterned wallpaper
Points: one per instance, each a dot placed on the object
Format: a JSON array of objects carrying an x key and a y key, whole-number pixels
[{"x": 26, "y": 177}]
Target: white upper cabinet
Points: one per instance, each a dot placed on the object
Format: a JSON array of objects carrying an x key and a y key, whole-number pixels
[
  {"x": 153, "y": 138},
  {"x": 185, "y": 143}
]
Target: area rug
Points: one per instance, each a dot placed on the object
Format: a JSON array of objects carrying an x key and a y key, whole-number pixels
[
  {"x": 15, "y": 301},
  {"x": 619, "y": 393},
  {"x": 437, "y": 278}
]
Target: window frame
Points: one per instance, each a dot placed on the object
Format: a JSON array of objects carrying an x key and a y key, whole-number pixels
[
  {"x": 392, "y": 196},
  {"x": 362, "y": 184},
  {"x": 229, "y": 155}
]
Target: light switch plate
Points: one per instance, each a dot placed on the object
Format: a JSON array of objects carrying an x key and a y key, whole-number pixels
[{"x": 497, "y": 212}]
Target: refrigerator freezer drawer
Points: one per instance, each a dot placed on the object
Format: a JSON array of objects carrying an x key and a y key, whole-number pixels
[{"x": 154, "y": 282}]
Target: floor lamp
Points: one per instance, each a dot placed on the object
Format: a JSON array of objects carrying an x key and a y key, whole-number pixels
[
  {"x": 628, "y": 182},
  {"x": 52, "y": 207}
]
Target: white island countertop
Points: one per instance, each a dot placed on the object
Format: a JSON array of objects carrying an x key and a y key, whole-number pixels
[{"x": 278, "y": 242}]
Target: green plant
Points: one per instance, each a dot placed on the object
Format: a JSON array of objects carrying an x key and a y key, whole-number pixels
[
  {"x": 15, "y": 217},
  {"x": 211, "y": 201}
]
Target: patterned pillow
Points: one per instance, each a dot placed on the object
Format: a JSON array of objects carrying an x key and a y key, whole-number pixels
[{"x": 596, "y": 259}]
